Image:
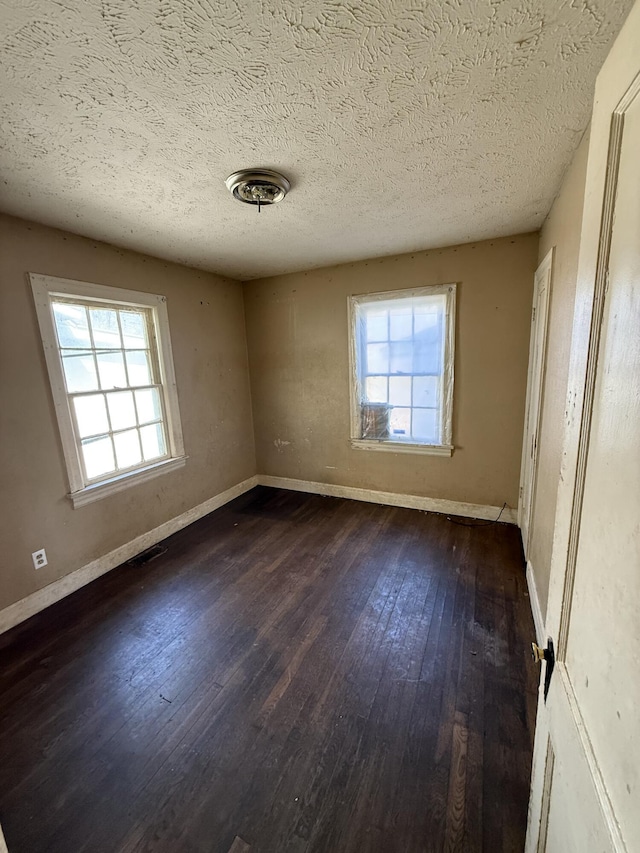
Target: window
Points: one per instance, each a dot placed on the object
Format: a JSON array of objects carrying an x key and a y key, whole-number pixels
[
  {"x": 402, "y": 346},
  {"x": 109, "y": 358}
]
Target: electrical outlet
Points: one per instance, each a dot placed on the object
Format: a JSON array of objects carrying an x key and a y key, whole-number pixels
[{"x": 39, "y": 558}]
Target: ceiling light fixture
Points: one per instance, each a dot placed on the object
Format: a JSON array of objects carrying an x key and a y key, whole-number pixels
[{"x": 258, "y": 186}]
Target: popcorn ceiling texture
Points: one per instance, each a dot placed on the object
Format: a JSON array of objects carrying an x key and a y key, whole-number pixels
[{"x": 402, "y": 125}]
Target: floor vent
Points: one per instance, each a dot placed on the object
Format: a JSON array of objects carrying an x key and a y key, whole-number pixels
[{"x": 147, "y": 556}]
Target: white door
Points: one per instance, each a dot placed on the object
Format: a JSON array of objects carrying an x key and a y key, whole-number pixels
[
  {"x": 535, "y": 381},
  {"x": 585, "y": 794}
]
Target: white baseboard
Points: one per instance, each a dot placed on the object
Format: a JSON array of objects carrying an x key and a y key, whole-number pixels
[
  {"x": 391, "y": 499},
  {"x": 42, "y": 598},
  {"x": 536, "y": 610},
  {"x": 37, "y": 601}
]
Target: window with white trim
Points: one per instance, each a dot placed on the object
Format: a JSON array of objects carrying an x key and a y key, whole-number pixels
[
  {"x": 402, "y": 352},
  {"x": 110, "y": 365}
]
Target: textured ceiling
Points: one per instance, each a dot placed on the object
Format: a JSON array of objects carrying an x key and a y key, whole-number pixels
[{"x": 402, "y": 125}]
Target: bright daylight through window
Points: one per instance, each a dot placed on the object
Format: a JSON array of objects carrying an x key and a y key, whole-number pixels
[
  {"x": 402, "y": 349},
  {"x": 111, "y": 371}
]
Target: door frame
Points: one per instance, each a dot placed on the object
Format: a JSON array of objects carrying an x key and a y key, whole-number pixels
[
  {"x": 534, "y": 398},
  {"x": 617, "y": 86}
]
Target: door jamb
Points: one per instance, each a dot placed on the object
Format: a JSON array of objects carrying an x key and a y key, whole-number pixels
[{"x": 525, "y": 515}]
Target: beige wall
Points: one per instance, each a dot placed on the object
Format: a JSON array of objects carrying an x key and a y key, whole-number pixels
[
  {"x": 562, "y": 231},
  {"x": 206, "y": 318},
  {"x": 299, "y": 365}
]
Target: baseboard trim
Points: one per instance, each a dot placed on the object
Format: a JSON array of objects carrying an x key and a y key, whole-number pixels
[
  {"x": 42, "y": 598},
  {"x": 21, "y": 610},
  {"x": 536, "y": 610},
  {"x": 391, "y": 498}
]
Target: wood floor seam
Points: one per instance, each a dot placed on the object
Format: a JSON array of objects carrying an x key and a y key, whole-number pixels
[{"x": 295, "y": 674}]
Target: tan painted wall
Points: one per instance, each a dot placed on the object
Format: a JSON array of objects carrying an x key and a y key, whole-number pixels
[
  {"x": 562, "y": 230},
  {"x": 206, "y": 319},
  {"x": 298, "y": 354}
]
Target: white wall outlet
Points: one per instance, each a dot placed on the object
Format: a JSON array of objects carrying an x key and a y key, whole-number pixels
[{"x": 39, "y": 558}]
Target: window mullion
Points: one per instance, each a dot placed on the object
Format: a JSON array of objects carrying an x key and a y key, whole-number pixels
[
  {"x": 364, "y": 372},
  {"x": 93, "y": 346},
  {"x": 128, "y": 429},
  {"x": 106, "y": 403},
  {"x": 123, "y": 349},
  {"x": 135, "y": 407}
]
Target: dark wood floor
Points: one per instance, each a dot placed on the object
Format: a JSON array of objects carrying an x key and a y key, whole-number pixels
[{"x": 296, "y": 673}]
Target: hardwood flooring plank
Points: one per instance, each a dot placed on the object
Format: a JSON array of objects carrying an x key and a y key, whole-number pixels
[
  {"x": 295, "y": 674},
  {"x": 338, "y": 713},
  {"x": 456, "y": 801}
]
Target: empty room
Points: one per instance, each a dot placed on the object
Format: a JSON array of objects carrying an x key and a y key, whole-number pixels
[{"x": 319, "y": 426}]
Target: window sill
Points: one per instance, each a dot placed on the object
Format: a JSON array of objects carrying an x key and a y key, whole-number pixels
[
  {"x": 401, "y": 447},
  {"x": 117, "y": 484}
]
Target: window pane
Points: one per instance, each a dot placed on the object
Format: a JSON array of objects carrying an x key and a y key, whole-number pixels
[
  {"x": 377, "y": 358},
  {"x": 426, "y": 320},
  {"x": 98, "y": 456},
  {"x": 425, "y": 391},
  {"x": 400, "y": 422},
  {"x": 91, "y": 415},
  {"x": 148, "y": 403},
  {"x": 425, "y": 425},
  {"x": 376, "y": 389},
  {"x": 401, "y": 358},
  {"x": 72, "y": 325},
  {"x": 139, "y": 369},
  {"x": 152, "y": 442},
  {"x": 80, "y": 373},
  {"x": 376, "y": 325},
  {"x": 127, "y": 446},
  {"x": 400, "y": 390},
  {"x": 104, "y": 324},
  {"x": 111, "y": 369},
  {"x": 400, "y": 322},
  {"x": 134, "y": 329},
  {"x": 121, "y": 410},
  {"x": 426, "y": 357}
]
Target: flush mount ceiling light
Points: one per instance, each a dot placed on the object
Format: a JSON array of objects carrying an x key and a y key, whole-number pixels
[{"x": 258, "y": 186}]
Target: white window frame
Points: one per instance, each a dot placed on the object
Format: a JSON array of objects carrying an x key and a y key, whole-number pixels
[
  {"x": 445, "y": 448},
  {"x": 45, "y": 289}
]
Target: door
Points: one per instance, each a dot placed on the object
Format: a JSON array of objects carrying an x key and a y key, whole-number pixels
[
  {"x": 535, "y": 380},
  {"x": 585, "y": 795}
]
